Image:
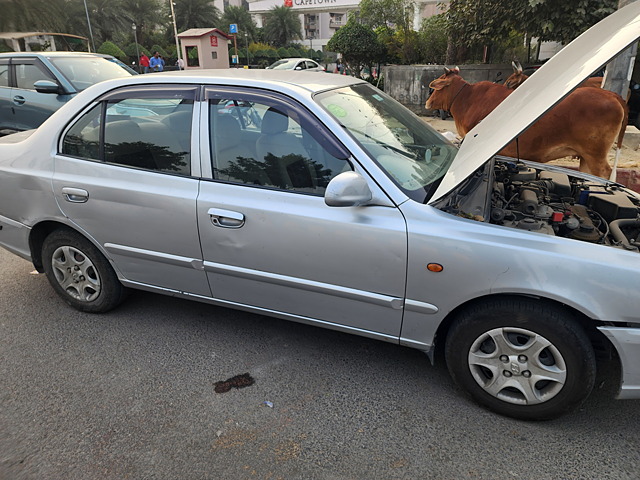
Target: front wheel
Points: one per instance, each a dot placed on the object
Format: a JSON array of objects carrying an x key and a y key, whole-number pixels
[
  {"x": 521, "y": 358},
  {"x": 79, "y": 273}
]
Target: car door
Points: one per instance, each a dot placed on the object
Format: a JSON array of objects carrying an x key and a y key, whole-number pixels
[
  {"x": 31, "y": 108},
  {"x": 268, "y": 238},
  {"x": 124, "y": 176},
  {"x": 6, "y": 114}
]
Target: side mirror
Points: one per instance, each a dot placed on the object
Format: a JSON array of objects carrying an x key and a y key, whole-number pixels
[
  {"x": 349, "y": 189},
  {"x": 47, "y": 86}
]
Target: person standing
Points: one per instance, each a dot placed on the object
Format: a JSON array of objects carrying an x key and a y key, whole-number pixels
[
  {"x": 180, "y": 64},
  {"x": 144, "y": 62},
  {"x": 156, "y": 63}
]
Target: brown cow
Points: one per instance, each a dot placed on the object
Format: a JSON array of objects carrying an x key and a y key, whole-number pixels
[
  {"x": 517, "y": 78},
  {"x": 585, "y": 124}
]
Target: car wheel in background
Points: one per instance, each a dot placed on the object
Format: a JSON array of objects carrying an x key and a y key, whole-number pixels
[
  {"x": 521, "y": 358},
  {"x": 79, "y": 273}
]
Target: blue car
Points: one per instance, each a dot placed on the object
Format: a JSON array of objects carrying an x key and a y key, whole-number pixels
[{"x": 33, "y": 85}]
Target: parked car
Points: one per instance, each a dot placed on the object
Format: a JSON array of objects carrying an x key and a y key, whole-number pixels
[
  {"x": 33, "y": 85},
  {"x": 342, "y": 209},
  {"x": 305, "y": 64}
]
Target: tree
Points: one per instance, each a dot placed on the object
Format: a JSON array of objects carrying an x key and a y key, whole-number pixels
[
  {"x": 146, "y": 14},
  {"x": 106, "y": 18},
  {"x": 282, "y": 25},
  {"x": 473, "y": 23},
  {"x": 397, "y": 14},
  {"x": 358, "y": 45},
  {"x": 433, "y": 39},
  {"x": 196, "y": 14},
  {"x": 110, "y": 48},
  {"x": 240, "y": 17}
]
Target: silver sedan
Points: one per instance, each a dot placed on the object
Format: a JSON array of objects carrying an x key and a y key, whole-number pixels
[{"x": 319, "y": 199}]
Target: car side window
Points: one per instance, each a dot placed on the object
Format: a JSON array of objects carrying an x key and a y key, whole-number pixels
[
  {"x": 151, "y": 132},
  {"x": 83, "y": 138},
  {"x": 311, "y": 64},
  {"x": 29, "y": 73},
  {"x": 265, "y": 144}
]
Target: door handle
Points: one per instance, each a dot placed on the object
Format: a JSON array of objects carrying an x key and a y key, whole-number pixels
[
  {"x": 75, "y": 195},
  {"x": 225, "y": 218},
  {"x": 18, "y": 100}
]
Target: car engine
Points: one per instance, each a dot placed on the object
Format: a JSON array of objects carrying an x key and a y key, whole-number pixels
[{"x": 554, "y": 203}]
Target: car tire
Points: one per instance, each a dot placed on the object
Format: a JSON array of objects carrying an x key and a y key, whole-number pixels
[
  {"x": 79, "y": 273},
  {"x": 521, "y": 358}
]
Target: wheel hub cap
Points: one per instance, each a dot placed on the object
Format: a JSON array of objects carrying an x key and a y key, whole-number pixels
[
  {"x": 517, "y": 366},
  {"x": 75, "y": 273}
]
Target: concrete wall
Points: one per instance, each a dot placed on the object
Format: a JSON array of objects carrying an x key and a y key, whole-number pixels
[{"x": 409, "y": 84}]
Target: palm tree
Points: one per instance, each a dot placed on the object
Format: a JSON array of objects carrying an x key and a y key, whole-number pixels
[
  {"x": 196, "y": 14},
  {"x": 106, "y": 18},
  {"x": 282, "y": 25},
  {"x": 242, "y": 18},
  {"x": 146, "y": 14}
]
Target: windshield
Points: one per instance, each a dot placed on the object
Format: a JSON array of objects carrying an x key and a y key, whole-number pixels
[
  {"x": 410, "y": 152},
  {"x": 283, "y": 65},
  {"x": 83, "y": 72}
]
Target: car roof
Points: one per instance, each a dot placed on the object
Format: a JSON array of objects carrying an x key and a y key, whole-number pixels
[
  {"x": 273, "y": 79},
  {"x": 52, "y": 54}
]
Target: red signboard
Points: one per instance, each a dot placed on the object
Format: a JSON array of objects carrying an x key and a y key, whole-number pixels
[
  {"x": 288, "y": 3},
  {"x": 214, "y": 40}
]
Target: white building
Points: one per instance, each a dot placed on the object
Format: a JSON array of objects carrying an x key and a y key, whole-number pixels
[{"x": 321, "y": 18}]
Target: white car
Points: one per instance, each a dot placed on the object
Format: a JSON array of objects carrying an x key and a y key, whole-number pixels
[
  {"x": 305, "y": 64},
  {"x": 319, "y": 199}
]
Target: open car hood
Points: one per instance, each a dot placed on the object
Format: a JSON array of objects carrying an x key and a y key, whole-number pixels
[{"x": 548, "y": 86}]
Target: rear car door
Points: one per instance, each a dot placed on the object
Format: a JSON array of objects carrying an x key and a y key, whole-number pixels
[
  {"x": 124, "y": 176},
  {"x": 268, "y": 238},
  {"x": 31, "y": 108}
]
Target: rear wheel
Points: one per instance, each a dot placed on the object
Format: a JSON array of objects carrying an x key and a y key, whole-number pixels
[
  {"x": 521, "y": 358},
  {"x": 79, "y": 273}
]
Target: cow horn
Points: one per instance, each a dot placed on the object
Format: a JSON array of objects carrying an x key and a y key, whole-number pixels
[
  {"x": 519, "y": 67},
  {"x": 456, "y": 69},
  {"x": 446, "y": 71}
]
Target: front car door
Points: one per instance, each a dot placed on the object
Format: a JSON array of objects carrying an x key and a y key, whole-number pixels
[
  {"x": 269, "y": 240},
  {"x": 31, "y": 108},
  {"x": 124, "y": 176},
  {"x": 6, "y": 113}
]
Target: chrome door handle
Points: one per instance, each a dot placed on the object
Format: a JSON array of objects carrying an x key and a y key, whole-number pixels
[
  {"x": 225, "y": 218},
  {"x": 18, "y": 100},
  {"x": 75, "y": 195}
]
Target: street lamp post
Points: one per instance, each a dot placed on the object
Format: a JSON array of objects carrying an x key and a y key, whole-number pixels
[
  {"x": 86, "y": 10},
  {"x": 175, "y": 32},
  {"x": 246, "y": 44},
  {"x": 135, "y": 39}
]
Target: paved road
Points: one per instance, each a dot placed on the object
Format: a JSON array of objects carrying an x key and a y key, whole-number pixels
[{"x": 130, "y": 394}]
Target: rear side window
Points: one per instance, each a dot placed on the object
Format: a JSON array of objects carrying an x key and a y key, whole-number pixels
[{"x": 151, "y": 132}]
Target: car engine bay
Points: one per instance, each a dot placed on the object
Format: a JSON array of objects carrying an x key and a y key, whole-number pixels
[{"x": 549, "y": 202}]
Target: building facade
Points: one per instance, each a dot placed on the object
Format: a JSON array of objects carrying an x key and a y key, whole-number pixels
[{"x": 321, "y": 18}]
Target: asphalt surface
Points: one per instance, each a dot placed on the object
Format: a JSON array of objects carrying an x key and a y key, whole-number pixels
[{"x": 130, "y": 394}]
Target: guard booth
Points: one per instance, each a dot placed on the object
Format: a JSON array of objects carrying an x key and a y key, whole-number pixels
[{"x": 204, "y": 48}]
